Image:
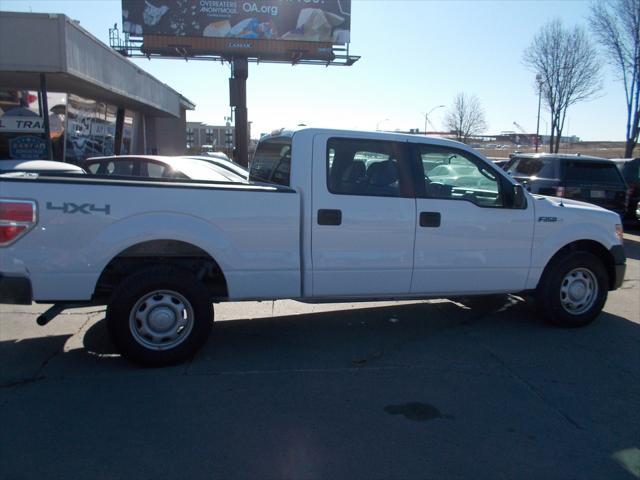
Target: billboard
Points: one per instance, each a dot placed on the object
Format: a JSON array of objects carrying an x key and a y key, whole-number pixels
[{"x": 324, "y": 21}]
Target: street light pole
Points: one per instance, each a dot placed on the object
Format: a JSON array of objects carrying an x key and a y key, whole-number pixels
[
  {"x": 540, "y": 83},
  {"x": 426, "y": 117},
  {"x": 378, "y": 124}
]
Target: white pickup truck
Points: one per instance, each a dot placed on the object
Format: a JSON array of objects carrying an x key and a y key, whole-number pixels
[{"x": 329, "y": 215}]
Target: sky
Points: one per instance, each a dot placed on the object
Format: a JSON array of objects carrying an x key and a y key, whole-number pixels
[{"x": 415, "y": 56}]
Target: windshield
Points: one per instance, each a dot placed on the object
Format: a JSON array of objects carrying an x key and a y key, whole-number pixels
[
  {"x": 223, "y": 163},
  {"x": 272, "y": 161},
  {"x": 200, "y": 170}
]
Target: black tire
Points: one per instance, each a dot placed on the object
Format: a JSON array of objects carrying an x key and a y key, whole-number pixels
[
  {"x": 579, "y": 268},
  {"x": 156, "y": 301}
]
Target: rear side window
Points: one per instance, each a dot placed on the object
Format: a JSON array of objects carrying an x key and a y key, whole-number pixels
[
  {"x": 592, "y": 172},
  {"x": 272, "y": 161},
  {"x": 156, "y": 170},
  {"x": 368, "y": 167},
  {"x": 93, "y": 168},
  {"x": 121, "y": 167},
  {"x": 533, "y": 167}
]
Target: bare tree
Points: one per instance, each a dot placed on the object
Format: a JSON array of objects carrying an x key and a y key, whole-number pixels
[
  {"x": 617, "y": 26},
  {"x": 465, "y": 117},
  {"x": 570, "y": 70}
]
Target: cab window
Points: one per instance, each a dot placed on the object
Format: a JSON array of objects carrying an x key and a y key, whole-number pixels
[
  {"x": 368, "y": 167},
  {"x": 453, "y": 174},
  {"x": 272, "y": 162}
]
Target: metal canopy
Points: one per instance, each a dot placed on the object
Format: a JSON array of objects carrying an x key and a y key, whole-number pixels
[{"x": 75, "y": 61}]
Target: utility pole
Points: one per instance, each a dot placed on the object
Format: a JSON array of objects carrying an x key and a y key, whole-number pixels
[
  {"x": 426, "y": 117},
  {"x": 540, "y": 83}
]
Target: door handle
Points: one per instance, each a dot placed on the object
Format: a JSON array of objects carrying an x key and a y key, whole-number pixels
[
  {"x": 430, "y": 219},
  {"x": 329, "y": 217}
]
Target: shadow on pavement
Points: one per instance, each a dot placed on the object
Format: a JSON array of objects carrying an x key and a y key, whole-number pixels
[
  {"x": 336, "y": 339},
  {"x": 23, "y": 361},
  {"x": 470, "y": 335},
  {"x": 632, "y": 248}
]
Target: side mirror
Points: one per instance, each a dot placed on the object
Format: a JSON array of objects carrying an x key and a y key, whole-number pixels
[{"x": 519, "y": 197}]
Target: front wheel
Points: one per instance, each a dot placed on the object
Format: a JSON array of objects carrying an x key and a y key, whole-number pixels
[
  {"x": 573, "y": 290},
  {"x": 159, "y": 316}
]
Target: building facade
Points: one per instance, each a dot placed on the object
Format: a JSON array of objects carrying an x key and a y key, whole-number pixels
[
  {"x": 202, "y": 137},
  {"x": 78, "y": 98}
]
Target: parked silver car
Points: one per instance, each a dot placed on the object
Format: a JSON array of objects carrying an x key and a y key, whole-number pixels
[{"x": 156, "y": 166}]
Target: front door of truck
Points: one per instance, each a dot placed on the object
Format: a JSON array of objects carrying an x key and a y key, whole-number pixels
[
  {"x": 468, "y": 240},
  {"x": 364, "y": 217}
]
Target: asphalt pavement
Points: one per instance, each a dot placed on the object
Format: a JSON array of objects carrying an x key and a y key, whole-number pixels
[{"x": 478, "y": 389}]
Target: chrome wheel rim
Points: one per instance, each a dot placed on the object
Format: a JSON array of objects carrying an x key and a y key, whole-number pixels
[
  {"x": 161, "y": 320},
  {"x": 578, "y": 291}
]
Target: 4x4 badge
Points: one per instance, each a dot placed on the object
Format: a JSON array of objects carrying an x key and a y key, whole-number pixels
[{"x": 86, "y": 208}]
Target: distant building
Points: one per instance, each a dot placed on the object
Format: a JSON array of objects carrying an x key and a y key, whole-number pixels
[
  {"x": 204, "y": 137},
  {"x": 572, "y": 139}
]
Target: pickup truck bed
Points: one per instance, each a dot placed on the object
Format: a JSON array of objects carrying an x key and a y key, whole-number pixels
[{"x": 86, "y": 222}]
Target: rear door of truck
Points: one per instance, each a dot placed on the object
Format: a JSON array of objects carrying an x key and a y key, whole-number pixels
[{"x": 364, "y": 217}]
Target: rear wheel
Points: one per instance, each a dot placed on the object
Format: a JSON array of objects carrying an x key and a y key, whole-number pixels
[
  {"x": 573, "y": 290},
  {"x": 160, "y": 316}
]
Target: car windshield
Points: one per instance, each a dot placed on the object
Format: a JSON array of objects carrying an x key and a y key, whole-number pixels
[
  {"x": 201, "y": 170},
  {"x": 226, "y": 164}
]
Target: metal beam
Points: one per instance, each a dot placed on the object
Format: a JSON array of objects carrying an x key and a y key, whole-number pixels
[{"x": 45, "y": 115}]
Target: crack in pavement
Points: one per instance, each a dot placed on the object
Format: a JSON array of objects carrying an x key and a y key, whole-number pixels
[
  {"x": 528, "y": 385},
  {"x": 19, "y": 383},
  {"x": 513, "y": 374},
  {"x": 40, "y": 374}
]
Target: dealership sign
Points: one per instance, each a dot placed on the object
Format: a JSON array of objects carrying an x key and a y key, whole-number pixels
[
  {"x": 21, "y": 124},
  {"x": 27, "y": 147}
]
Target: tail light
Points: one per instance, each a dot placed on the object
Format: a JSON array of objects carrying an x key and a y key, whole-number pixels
[
  {"x": 630, "y": 192},
  {"x": 559, "y": 191},
  {"x": 17, "y": 217}
]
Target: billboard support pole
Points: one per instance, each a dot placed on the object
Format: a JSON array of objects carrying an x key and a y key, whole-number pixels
[{"x": 238, "y": 99}]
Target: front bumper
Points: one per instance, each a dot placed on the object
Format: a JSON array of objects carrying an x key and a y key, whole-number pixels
[
  {"x": 619, "y": 263},
  {"x": 15, "y": 289}
]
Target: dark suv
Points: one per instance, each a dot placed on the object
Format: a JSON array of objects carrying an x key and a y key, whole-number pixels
[
  {"x": 588, "y": 179},
  {"x": 630, "y": 170}
]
